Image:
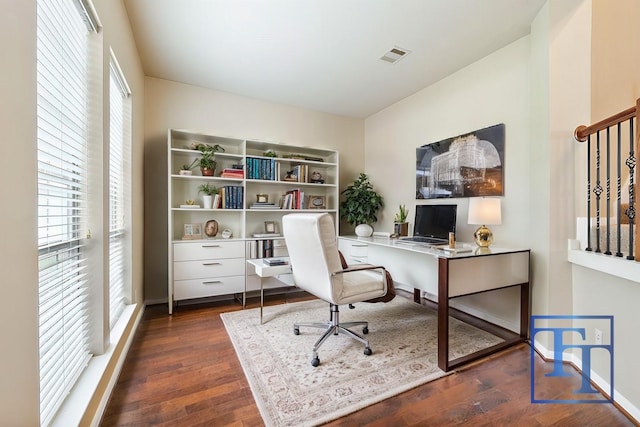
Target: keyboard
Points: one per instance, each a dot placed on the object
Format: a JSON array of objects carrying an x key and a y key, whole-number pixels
[{"x": 425, "y": 240}]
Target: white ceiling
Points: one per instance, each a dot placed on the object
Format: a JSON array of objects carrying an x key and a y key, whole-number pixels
[{"x": 321, "y": 54}]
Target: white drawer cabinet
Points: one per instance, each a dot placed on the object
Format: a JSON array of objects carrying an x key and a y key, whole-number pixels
[
  {"x": 184, "y": 251},
  {"x": 207, "y": 268},
  {"x": 183, "y": 270},
  {"x": 354, "y": 252},
  {"x": 200, "y": 288}
]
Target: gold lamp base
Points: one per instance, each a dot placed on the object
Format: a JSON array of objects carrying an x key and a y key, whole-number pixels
[{"x": 483, "y": 237}]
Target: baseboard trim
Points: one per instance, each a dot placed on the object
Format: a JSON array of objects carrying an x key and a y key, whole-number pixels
[{"x": 119, "y": 363}]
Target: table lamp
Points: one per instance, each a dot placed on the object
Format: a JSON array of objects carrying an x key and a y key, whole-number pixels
[{"x": 484, "y": 211}]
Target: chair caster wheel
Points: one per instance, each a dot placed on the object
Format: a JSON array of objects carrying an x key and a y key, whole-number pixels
[
  {"x": 365, "y": 330},
  {"x": 315, "y": 361},
  {"x": 367, "y": 351},
  {"x": 351, "y": 306},
  {"x": 296, "y": 331}
]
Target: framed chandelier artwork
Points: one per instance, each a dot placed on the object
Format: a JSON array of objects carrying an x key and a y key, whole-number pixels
[{"x": 468, "y": 165}]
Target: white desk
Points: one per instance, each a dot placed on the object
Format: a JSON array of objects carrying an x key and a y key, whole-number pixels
[
  {"x": 453, "y": 275},
  {"x": 263, "y": 271}
]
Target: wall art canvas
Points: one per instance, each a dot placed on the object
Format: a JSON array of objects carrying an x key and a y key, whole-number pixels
[{"x": 468, "y": 165}]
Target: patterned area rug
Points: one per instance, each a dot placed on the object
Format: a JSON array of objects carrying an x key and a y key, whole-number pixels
[{"x": 290, "y": 392}]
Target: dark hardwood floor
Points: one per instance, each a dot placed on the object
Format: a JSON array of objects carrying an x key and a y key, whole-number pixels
[{"x": 182, "y": 370}]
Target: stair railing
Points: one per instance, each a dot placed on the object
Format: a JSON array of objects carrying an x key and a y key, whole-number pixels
[{"x": 618, "y": 124}]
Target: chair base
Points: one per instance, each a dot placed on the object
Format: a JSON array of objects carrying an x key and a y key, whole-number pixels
[{"x": 334, "y": 327}]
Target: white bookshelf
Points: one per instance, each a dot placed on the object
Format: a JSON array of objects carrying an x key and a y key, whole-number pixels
[{"x": 225, "y": 270}]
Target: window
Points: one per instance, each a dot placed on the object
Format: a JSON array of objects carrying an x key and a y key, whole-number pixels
[
  {"x": 119, "y": 192},
  {"x": 64, "y": 29}
]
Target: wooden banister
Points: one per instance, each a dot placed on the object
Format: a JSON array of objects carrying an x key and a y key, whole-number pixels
[{"x": 582, "y": 132}]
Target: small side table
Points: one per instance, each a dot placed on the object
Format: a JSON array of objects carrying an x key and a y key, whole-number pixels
[{"x": 263, "y": 271}]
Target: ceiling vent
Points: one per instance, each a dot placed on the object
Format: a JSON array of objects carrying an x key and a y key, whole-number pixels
[{"x": 395, "y": 55}]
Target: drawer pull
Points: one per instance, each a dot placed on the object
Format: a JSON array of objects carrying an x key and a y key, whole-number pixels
[
  {"x": 210, "y": 246},
  {"x": 211, "y": 282},
  {"x": 210, "y": 263}
]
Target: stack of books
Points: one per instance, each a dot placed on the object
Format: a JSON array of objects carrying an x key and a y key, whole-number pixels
[
  {"x": 263, "y": 235},
  {"x": 271, "y": 262},
  {"x": 264, "y": 205},
  {"x": 232, "y": 173}
]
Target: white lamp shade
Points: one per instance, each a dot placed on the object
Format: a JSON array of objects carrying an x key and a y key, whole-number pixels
[{"x": 484, "y": 211}]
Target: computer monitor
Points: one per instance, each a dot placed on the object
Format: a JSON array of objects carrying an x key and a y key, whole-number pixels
[{"x": 435, "y": 221}]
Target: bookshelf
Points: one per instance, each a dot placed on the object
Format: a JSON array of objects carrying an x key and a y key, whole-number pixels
[{"x": 255, "y": 190}]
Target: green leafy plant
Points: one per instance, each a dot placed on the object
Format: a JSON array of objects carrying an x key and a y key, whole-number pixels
[
  {"x": 401, "y": 215},
  {"x": 361, "y": 202},
  {"x": 208, "y": 189},
  {"x": 208, "y": 155}
]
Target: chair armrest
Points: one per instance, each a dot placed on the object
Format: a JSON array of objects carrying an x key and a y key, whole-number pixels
[{"x": 359, "y": 268}]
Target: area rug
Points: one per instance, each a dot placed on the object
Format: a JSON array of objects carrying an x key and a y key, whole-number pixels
[{"x": 290, "y": 392}]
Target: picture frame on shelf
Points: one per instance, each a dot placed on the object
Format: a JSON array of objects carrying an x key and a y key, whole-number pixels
[
  {"x": 270, "y": 227},
  {"x": 317, "y": 202},
  {"x": 192, "y": 231}
]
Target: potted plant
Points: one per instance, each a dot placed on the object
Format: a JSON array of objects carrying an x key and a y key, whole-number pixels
[
  {"x": 400, "y": 224},
  {"x": 207, "y": 160},
  {"x": 209, "y": 191},
  {"x": 186, "y": 169},
  {"x": 360, "y": 205}
]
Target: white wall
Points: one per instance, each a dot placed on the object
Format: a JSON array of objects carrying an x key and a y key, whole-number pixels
[
  {"x": 175, "y": 105},
  {"x": 491, "y": 91},
  {"x": 19, "y": 388},
  {"x": 615, "y": 87}
]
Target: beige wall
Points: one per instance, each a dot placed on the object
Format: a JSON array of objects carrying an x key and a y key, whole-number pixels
[
  {"x": 19, "y": 388},
  {"x": 491, "y": 91},
  {"x": 615, "y": 57},
  {"x": 18, "y": 247},
  {"x": 174, "y": 105}
]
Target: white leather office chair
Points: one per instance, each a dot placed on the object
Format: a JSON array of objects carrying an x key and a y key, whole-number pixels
[{"x": 313, "y": 253}]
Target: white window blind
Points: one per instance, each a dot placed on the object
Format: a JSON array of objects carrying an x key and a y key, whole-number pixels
[
  {"x": 119, "y": 193},
  {"x": 62, "y": 90}
]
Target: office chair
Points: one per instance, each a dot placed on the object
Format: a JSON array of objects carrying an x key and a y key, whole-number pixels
[{"x": 313, "y": 253}]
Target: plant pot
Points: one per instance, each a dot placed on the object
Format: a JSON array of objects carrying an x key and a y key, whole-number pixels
[
  {"x": 207, "y": 171},
  {"x": 207, "y": 202},
  {"x": 364, "y": 230},
  {"x": 401, "y": 228},
  {"x": 185, "y": 172}
]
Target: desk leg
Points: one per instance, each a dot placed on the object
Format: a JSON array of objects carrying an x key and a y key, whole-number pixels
[
  {"x": 443, "y": 314},
  {"x": 524, "y": 310},
  {"x": 261, "y": 298}
]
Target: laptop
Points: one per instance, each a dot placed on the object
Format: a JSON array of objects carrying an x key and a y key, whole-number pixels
[{"x": 433, "y": 224}]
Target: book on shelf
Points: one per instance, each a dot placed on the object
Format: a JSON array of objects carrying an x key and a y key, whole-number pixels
[
  {"x": 232, "y": 173},
  {"x": 189, "y": 206},
  {"x": 293, "y": 199},
  {"x": 262, "y": 168}
]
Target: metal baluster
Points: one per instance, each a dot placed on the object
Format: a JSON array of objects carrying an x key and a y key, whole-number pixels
[
  {"x": 608, "y": 210},
  {"x": 619, "y": 188},
  {"x": 597, "y": 190},
  {"x": 631, "y": 211},
  {"x": 588, "y": 248}
]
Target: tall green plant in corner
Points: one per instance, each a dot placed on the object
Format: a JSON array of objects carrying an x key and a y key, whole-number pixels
[{"x": 361, "y": 204}]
